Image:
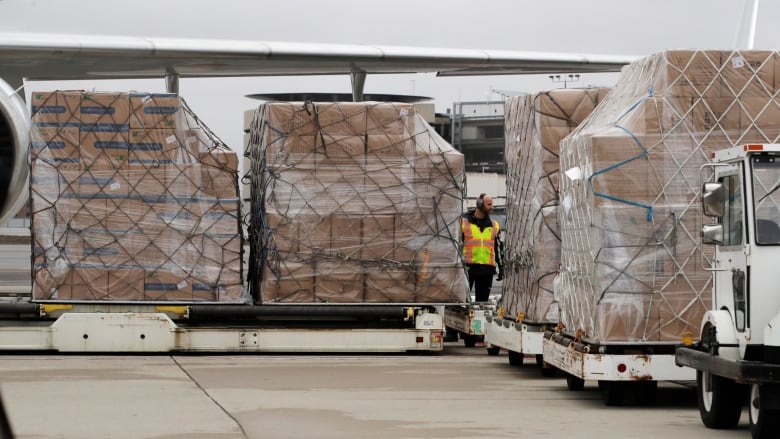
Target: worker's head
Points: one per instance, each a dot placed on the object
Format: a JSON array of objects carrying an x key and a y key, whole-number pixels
[{"x": 485, "y": 203}]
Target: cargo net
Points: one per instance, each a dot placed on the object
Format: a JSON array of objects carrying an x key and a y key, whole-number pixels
[
  {"x": 630, "y": 219},
  {"x": 353, "y": 203},
  {"x": 534, "y": 127},
  {"x": 133, "y": 199}
]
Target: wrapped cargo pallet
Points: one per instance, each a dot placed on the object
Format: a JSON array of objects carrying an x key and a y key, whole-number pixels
[
  {"x": 132, "y": 200},
  {"x": 534, "y": 126},
  {"x": 353, "y": 203},
  {"x": 631, "y": 255}
]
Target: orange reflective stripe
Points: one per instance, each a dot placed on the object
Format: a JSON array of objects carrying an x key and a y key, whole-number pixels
[{"x": 478, "y": 246}]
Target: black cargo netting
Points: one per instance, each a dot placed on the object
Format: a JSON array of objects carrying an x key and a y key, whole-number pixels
[
  {"x": 133, "y": 199},
  {"x": 353, "y": 203},
  {"x": 630, "y": 226},
  {"x": 534, "y": 126}
]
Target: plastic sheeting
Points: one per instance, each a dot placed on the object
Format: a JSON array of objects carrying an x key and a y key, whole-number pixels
[
  {"x": 535, "y": 125},
  {"x": 132, "y": 199},
  {"x": 354, "y": 203},
  {"x": 631, "y": 256}
]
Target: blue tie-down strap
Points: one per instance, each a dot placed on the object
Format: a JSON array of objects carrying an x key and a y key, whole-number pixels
[{"x": 617, "y": 165}]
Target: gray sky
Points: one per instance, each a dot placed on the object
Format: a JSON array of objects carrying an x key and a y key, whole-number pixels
[{"x": 627, "y": 27}]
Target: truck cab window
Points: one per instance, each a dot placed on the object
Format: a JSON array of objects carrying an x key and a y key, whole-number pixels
[
  {"x": 733, "y": 213},
  {"x": 766, "y": 181}
]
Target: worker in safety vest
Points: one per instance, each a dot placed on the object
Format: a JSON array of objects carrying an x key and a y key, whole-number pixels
[{"x": 481, "y": 247}]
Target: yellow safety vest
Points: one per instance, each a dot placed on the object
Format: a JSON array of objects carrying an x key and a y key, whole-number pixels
[{"x": 479, "y": 246}]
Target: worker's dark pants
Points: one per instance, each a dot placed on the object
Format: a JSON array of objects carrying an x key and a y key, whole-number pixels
[{"x": 481, "y": 280}]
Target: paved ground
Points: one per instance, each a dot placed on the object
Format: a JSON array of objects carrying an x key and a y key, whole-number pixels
[{"x": 462, "y": 393}]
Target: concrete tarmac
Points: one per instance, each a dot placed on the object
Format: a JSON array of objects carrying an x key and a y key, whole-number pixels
[{"x": 461, "y": 393}]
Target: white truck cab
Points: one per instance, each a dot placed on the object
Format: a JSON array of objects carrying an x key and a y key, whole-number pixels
[{"x": 738, "y": 354}]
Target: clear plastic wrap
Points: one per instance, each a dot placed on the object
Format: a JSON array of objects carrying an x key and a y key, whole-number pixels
[
  {"x": 132, "y": 199},
  {"x": 631, "y": 255},
  {"x": 354, "y": 203},
  {"x": 534, "y": 126}
]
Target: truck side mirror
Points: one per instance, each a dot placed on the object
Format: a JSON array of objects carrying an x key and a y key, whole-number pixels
[
  {"x": 712, "y": 234},
  {"x": 713, "y": 199}
]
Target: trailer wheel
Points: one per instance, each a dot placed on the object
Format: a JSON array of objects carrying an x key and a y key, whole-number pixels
[
  {"x": 646, "y": 392},
  {"x": 469, "y": 340},
  {"x": 493, "y": 350},
  {"x": 764, "y": 421},
  {"x": 515, "y": 358},
  {"x": 612, "y": 392},
  {"x": 548, "y": 370},
  {"x": 720, "y": 404},
  {"x": 574, "y": 383},
  {"x": 539, "y": 360},
  {"x": 450, "y": 335}
]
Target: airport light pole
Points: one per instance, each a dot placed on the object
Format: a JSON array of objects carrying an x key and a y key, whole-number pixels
[{"x": 572, "y": 77}]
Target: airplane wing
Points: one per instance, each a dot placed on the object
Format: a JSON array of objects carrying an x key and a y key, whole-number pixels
[{"x": 38, "y": 56}]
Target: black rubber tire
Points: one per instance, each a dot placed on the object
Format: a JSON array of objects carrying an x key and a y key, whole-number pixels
[
  {"x": 548, "y": 370},
  {"x": 613, "y": 392},
  {"x": 645, "y": 392},
  {"x": 450, "y": 335},
  {"x": 721, "y": 406},
  {"x": 539, "y": 360},
  {"x": 574, "y": 383},
  {"x": 515, "y": 359},
  {"x": 764, "y": 422},
  {"x": 493, "y": 350},
  {"x": 469, "y": 340}
]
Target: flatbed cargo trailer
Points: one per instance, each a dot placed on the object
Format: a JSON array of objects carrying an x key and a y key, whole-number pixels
[
  {"x": 519, "y": 338},
  {"x": 623, "y": 370},
  {"x": 204, "y": 328}
]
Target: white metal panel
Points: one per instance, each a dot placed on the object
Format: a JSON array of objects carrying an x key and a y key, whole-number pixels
[
  {"x": 508, "y": 338},
  {"x": 113, "y": 332},
  {"x": 156, "y": 332},
  {"x": 605, "y": 367},
  {"x": 306, "y": 340},
  {"x": 520, "y": 338}
]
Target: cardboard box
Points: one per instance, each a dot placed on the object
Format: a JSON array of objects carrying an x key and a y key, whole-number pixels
[
  {"x": 338, "y": 281},
  {"x": 146, "y": 183},
  {"x": 219, "y": 174},
  {"x": 51, "y": 281},
  {"x": 183, "y": 181},
  {"x": 126, "y": 284},
  {"x": 99, "y": 182},
  {"x": 102, "y": 108},
  {"x": 625, "y": 317},
  {"x": 393, "y": 286},
  {"x": 220, "y": 220},
  {"x": 50, "y": 183},
  {"x": 104, "y": 249},
  {"x": 444, "y": 284},
  {"x": 152, "y": 147},
  {"x": 388, "y": 119},
  {"x": 155, "y": 111},
  {"x": 749, "y": 74},
  {"x": 164, "y": 284},
  {"x": 222, "y": 251},
  {"x": 291, "y": 282},
  {"x": 56, "y": 145},
  {"x": 378, "y": 237},
  {"x": 89, "y": 282},
  {"x": 46, "y": 108},
  {"x": 103, "y": 149},
  {"x": 690, "y": 73}
]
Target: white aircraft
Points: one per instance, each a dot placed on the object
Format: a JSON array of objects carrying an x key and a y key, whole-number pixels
[{"x": 38, "y": 56}]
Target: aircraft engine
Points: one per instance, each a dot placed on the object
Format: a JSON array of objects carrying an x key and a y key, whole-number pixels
[{"x": 14, "y": 143}]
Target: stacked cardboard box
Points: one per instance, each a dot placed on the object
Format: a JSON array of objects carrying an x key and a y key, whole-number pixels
[
  {"x": 631, "y": 258},
  {"x": 534, "y": 126},
  {"x": 354, "y": 203},
  {"x": 131, "y": 201}
]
